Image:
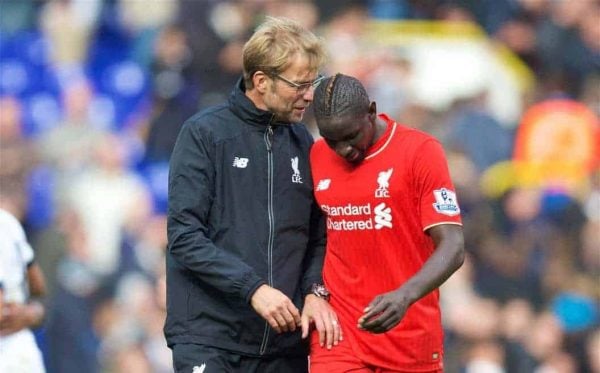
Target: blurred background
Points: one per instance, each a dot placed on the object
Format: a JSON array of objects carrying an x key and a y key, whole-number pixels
[{"x": 94, "y": 92}]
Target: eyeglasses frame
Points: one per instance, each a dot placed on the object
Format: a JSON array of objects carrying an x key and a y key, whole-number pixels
[{"x": 303, "y": 87}]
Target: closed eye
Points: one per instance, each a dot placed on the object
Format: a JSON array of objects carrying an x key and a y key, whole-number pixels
[{"x": 352, "y": 136}]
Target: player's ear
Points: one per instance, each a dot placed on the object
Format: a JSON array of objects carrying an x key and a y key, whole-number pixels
[{"x": 372, "y": 109}]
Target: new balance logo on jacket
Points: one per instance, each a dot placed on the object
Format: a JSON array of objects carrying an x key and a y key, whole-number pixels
[{"x": 240, "y": 162}]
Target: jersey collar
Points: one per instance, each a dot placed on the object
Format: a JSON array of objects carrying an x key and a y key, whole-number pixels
[{"x": 385, "y": 139}]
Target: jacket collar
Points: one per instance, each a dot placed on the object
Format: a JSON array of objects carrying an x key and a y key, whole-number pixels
[{"x": 245, "y": 109}]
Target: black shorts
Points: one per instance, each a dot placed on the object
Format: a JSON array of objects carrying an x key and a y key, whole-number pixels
[{"x": 195, "y": 358}]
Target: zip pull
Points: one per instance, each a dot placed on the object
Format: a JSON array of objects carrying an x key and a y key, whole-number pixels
[{"x": 269, "y": 137}]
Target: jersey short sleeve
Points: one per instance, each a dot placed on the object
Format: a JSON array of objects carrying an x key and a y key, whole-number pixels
[
  {"x": 438, "y": 201},
  {"x": 21, "y": 243},
  {"x": 15, "y": 235}
]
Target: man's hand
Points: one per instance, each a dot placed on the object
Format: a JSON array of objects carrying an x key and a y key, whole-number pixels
[
  {"x": 319, "y": 311},
  {"x": 384, "y": 312},
  {"x": 275, "y": 307},
  {"x": 16, "y": 317}
]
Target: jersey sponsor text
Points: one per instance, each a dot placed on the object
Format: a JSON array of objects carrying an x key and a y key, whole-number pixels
[{"x": 373, "y": 218}]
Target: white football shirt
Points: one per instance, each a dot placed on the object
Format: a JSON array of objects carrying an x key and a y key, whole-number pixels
[{"x": 18, "y": 351}]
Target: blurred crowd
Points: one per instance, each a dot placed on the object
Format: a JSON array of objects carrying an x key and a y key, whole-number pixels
[{"x": 94, "y": 92}]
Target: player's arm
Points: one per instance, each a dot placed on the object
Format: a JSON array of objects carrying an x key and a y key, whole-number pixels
[
  {"x": 1, "y": 302},
  {"x": 37, "y": 290},
  {"x": 387, "y": 310},
  {"x": 37, "y": 282},
  {"x": 1, "y": 291},
  {"x": 18, "y": 316}
]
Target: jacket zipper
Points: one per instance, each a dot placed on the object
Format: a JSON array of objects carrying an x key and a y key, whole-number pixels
[{"x": 269, "y": 141}]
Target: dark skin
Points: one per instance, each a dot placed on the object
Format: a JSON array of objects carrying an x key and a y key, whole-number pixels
[
  {"x": 387, "y": 310},
  {"x": 351, "y": 137}
]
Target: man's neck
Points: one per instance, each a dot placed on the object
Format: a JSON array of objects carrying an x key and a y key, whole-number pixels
[{"x": 256, "y": 99}]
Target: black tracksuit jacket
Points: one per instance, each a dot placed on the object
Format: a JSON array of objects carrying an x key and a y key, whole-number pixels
[{"x": 241, "y": 214}]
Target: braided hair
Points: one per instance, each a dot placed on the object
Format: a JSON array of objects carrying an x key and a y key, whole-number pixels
[{"x": 340, "y": 95}]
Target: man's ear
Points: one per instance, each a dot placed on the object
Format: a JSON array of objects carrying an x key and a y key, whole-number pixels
[{"x": 260, "y": 81}]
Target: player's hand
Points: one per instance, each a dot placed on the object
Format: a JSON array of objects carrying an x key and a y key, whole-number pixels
[
  {"x": 275, "y": 307},
  {"x": 318, "y": 311},
  {"x": 384, "y": 312},
  {"x": 15, "y": 317}
]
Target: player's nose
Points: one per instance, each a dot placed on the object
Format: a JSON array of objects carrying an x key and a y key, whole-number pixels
[{"x": 343, "y": 149}]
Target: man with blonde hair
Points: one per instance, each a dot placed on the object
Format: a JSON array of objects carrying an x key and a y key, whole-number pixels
[{"x": 246, "y": 239}]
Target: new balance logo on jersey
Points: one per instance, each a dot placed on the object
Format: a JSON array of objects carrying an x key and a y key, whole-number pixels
[
  {"x": 296, "y": 178},
  {"x": 383, "y": 216},
  {"x": 240, "y": 162},
  {"x": 445, "y": 202},
  {"x": 383, "y": 180},
  {"x": 323, "y": 184}
]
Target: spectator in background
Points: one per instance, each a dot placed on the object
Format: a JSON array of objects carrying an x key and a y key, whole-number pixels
[
  {"x": 67, "y": 149},
  {"x": 21, "y": 283},
  {"x": 567, "y": 43},
  {"x": 175, "y": 93},
  {"x": 107, "y": 196},
  {"x": 246, "y": 240},
  {"x": 344, "y": 42},
  {"x": 222, "y": 28},
  {"x": 16, "y": 156},
  {"x": 145, "y": 21},
  {"x": 77, "y": 292},
  {"x": 394, "y": 234},
  {"x": 390, "y": 81},
  {"x": 69, "y": 26},
  {"x": 591, "y": 349},
  {"x": 470, "y": 129},
  {"x": 18, "y": 15}
]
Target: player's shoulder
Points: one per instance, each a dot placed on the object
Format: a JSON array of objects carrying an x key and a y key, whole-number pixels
[
  {"x": 414, "y": 135},
  {"x": 320, "y": 142},
  {"x": 10, "y": 224},
  {"x": 414, "y": 139},
  {"x": 319, "y": 147}
]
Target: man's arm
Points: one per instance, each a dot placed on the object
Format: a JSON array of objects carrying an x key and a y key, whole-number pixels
[
  {"x": 317, "y": 310},
  {"x": 315, "y": 254},
  {"x": 387, "y": 310},
  {"x": 191, "y": 194}
]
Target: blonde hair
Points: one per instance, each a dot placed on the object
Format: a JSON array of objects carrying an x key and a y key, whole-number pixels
[{"x": 274, "y": 42}]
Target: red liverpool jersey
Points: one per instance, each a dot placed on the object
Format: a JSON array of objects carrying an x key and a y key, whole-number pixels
[{"x": 377, "y": 214}]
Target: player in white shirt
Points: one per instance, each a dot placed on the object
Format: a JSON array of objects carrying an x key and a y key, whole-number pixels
[{"x": 21, "y": 280}]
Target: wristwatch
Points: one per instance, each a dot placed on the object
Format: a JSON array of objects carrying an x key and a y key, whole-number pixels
[{"x": 320, "y": 291}]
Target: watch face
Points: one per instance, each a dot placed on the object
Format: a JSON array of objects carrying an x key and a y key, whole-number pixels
[{"x": 320, "y": 291}]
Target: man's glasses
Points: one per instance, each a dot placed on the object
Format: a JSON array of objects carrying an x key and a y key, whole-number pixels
[{"x": 302, "y": 88}]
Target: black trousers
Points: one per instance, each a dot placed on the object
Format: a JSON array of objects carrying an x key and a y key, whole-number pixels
[{"x": 195, "y": 358}]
